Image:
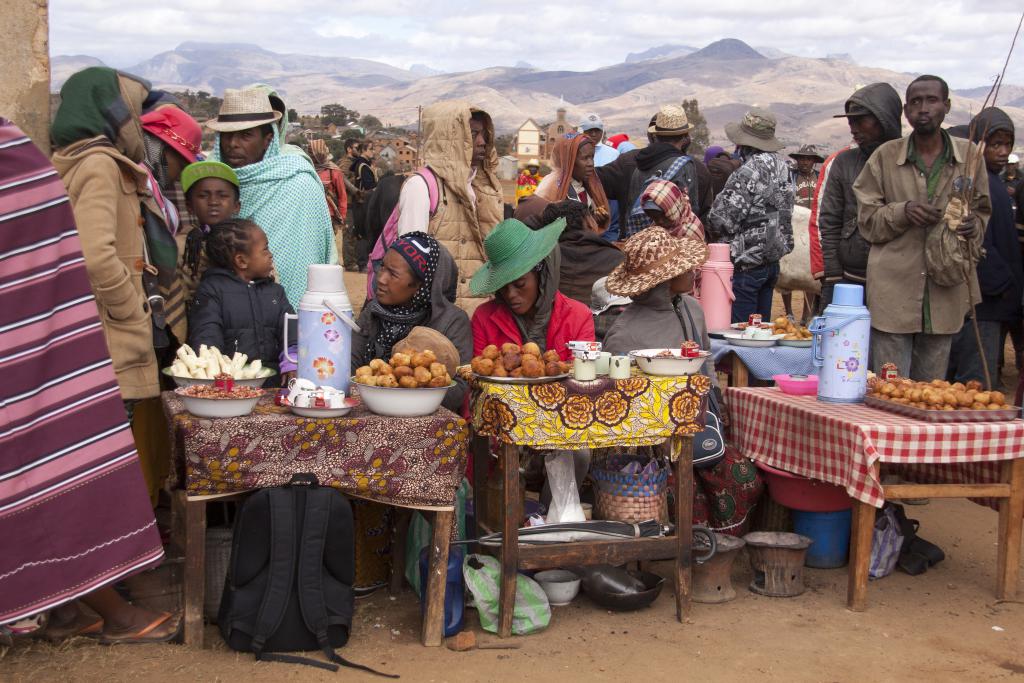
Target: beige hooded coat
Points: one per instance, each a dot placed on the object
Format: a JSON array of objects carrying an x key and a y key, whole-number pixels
[{"x": 461, "y": 224}]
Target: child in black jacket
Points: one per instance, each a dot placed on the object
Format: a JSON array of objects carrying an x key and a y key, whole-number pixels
[{"x": 238, "y": 306}]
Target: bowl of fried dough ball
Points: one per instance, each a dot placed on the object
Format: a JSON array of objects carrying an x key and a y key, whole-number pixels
[
  {"x": 518, "y": 362},
  {"x": 409, "y": 384}
]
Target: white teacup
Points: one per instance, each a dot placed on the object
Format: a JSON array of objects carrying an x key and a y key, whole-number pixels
[
  {"x": 618, "y": 367},
  {"x": 297, "y": 385},
  {"x": 301, "y": 399}
]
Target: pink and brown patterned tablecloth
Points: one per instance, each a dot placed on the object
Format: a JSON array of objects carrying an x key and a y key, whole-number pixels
[
  {"x": 414, "y": 462},
  {"x": 642, "y": 410}
]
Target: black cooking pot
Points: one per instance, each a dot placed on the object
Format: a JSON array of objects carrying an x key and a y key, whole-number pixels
[{"x": 620, "y": 590}]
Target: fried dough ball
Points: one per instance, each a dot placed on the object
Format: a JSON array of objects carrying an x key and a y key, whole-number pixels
[
  {"x": 385, "y": 369},
  {"x": 551, "y": 356},
  {"x": 438, "y": 369},
  {"x": 482, "y": 366},
  {"x": 532, "y": 367},
  {"x": 509, "y": 347},
  {"x": 518, "y": 372},
  {"x": 531, "y": 356},
  {"x": 983, "y": 397},
  {"x": 403, "y": 371},
  {"x": 368, "y": 380},
  {"x": 993, "y": 406},
  {"x": 511, "y": 360},
  {"x": 499, "y": 371},
  {"x": 532, "y": 349},
  {"x": 958, "y": 386},
  {"x": 400, "y": 359},
  {"x": 422, "y": 375},
  {"x": 491, "y": 352},
  {"x": 997, "y": 398},
  {"x": 364, "y": 370},
  {"x": 424, "y": 359},
  {"x": 979, "y": 406},
  {"x": 376, "y": 364},
  {"x": 974, "y": 385},
  {"x": 408, "y": 382},
  {"x": 564, "y": 367},
  {"x": 440, "y": 381},
  {"x": 388, "y": 381},
  {"x": 552, "y": 368},
  {"x": 964, "y": 399}
]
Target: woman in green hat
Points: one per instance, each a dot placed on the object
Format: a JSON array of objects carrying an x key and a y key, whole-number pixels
[{"x": 522, "y": 272}]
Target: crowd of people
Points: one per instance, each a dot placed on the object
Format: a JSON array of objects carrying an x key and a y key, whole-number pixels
[{"x": 214, "y": 249}]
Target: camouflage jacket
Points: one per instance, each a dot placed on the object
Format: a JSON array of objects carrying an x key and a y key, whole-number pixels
[{"x": 754, "y": 212}]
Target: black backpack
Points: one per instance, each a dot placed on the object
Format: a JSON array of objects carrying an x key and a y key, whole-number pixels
[{"x": 289, "y": 583}]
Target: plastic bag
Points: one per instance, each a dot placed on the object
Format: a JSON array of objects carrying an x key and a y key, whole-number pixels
[
  {"x": 421, "y": 531},
  {"x": 565, "y": 498},
  {"x": 531, "y": 612},
  {"x": 886, "y": 542}
]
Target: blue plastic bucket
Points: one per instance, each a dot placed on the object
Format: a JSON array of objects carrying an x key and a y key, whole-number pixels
[{"x": 831, "y": 534}]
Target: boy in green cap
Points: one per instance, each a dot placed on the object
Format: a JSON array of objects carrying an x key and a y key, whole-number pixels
[{"x": 212, "y": 196}]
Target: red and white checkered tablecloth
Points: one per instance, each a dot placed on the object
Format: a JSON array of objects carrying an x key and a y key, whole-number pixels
[{"x": 840, "y": 443}]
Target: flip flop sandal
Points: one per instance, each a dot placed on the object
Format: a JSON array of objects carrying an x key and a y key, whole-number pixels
[
  {"x": 82, "y": 625},
  {"x": 145, "y": 634}
]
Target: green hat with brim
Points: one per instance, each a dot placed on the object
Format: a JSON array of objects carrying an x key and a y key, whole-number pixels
[
  {"x": 512, "y": 250},
  {"x": 193, "y": 173}
]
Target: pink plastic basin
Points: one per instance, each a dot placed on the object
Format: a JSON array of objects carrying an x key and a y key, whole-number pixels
[
  {"x": 801, "y": 493},
  {"x": 797, "y": 385}
]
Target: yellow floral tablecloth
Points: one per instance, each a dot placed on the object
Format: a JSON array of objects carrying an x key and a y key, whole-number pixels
[{"x": 568, "y": 415}]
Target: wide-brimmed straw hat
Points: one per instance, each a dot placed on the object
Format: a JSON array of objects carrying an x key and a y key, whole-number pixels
[
  {"x": 808, "y": 151},
  {"x": 670, "y": 121},
  {"x": 193, "y": 173},
  {"x": 513, "y": 249},
  {"x": 176, "y": 129},
  {"x": 243, "y": 109},
  {"x": 757, "y": 130},
  {"x": 654, "y": 256}
]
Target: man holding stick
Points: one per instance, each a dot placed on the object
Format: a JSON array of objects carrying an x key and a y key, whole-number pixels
[{"x": 904, "y": 192}]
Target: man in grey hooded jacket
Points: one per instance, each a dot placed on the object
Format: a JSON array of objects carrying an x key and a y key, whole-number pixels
[{"x": 875, "y": 116}]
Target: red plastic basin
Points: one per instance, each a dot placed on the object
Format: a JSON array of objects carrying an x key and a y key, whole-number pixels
[{"x": 801, "y": 493}]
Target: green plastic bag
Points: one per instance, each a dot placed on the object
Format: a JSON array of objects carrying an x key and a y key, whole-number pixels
[{"x": 531, "y": 613}]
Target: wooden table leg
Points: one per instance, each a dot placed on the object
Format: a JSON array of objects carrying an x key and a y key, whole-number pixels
[
  {"x": 740, "y": 373},
  {"x": 510, "y": 537},
  {"x": 1010, "y": 512},
  {"x": 480, "y": 450},
  {"x": 437, "y": 579},
  {"x": 684, "y": 524},
  {"x": 194, "y": 579},
  {"x": 862, "y": 527}
]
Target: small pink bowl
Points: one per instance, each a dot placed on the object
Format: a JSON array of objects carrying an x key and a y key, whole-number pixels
[{"x": 797, "y": 385}]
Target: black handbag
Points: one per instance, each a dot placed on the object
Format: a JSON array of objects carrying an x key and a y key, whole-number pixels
[{"x": 708, "y": 444}]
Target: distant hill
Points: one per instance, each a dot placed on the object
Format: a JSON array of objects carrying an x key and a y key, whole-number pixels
[
  {"x": 63, "y": 66},
  {"x": 726, "y": 77}
]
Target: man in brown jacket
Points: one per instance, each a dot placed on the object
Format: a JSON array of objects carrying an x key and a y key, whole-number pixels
[{"x": 903, "y": 193}]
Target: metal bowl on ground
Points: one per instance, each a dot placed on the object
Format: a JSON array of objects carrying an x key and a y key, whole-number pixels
[
  {"x": 560, "y": 585},
  {"x": 668, "y": 362},
  {"x": 183, "y": 382},
  {"x": 399, "y": 401},
  {"x": 217, "y": 407},
  {"x": 619, "y": 590}
]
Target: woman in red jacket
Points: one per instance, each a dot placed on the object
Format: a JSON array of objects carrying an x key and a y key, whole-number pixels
[{"x": 522, "y": 271}]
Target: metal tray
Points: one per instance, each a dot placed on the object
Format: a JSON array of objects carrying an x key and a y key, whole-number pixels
[
  {"x": 797, "y": 343},
  {"x": 521, "y": 380},
  {"x": 944, "y": 416}
]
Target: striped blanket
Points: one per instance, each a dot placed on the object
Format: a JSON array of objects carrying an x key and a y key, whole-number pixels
[{"x": 74, "y": 514}]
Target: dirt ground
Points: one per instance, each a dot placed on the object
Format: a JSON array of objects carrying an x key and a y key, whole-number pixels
[
  {"x": 945, "y": 625},
  {"x": 942, "y": 626}
]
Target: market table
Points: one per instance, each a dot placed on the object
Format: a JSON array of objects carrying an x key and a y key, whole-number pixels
[
  {"x": 844, "y": 444},
  {"x": 762, "y": 363},
  {"x": 569, "y": 415},
  {"x": 406, "y": 462}
]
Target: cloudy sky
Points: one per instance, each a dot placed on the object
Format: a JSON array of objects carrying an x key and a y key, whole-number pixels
[{"x": 964, "y": 41}]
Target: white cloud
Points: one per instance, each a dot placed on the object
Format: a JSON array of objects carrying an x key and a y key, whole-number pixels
[{"x": 965, "y": 41}]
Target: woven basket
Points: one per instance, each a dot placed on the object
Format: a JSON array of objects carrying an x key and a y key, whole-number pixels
[
  {"x": 218, "y": 558},
  {"x": 628, "y": 497}
]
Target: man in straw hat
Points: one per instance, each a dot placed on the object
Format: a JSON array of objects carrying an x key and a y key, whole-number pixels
[
  {"x": 804, "y": 177},
  {"x": 754, "y": 213},
  {"x": 666, "y": 159},
  {"x": 279, "y": 192},
  {"x": 903, "y": 193}
]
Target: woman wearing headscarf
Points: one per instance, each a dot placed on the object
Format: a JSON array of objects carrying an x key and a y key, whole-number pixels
[
  {"x": 414, "y": 293},
  {"x": 572, "y": 177},
  {"x": 334, "y": 187},
  {"x": 101, "y": 155},
  {"x": 669, "y": 207},
  {"x": 522, "y": 271}
]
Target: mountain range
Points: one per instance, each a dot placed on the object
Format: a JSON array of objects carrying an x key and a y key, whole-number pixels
[{"x": 726, "y": 77}]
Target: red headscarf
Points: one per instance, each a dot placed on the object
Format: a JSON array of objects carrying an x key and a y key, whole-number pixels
[{"x": 563, "y": 158}]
